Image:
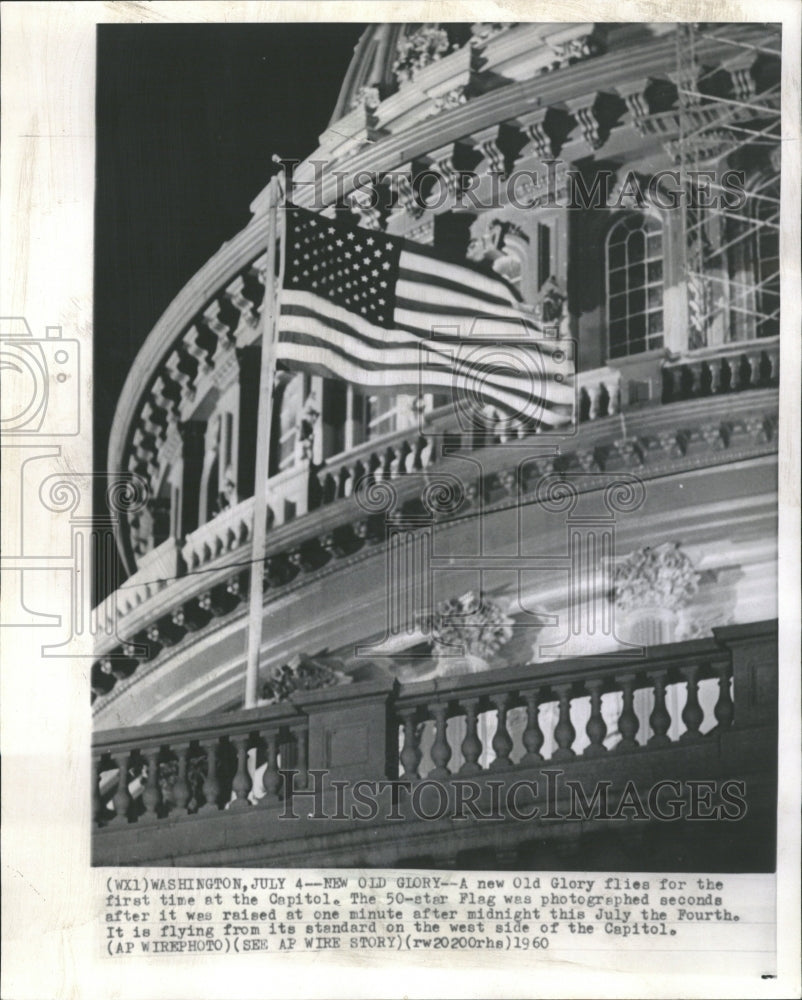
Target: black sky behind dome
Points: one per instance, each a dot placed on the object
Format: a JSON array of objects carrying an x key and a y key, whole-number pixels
[{"x": 187, "y": 118}]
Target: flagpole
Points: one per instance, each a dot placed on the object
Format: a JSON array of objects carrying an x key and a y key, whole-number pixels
[{"x": 264, "y": 420}]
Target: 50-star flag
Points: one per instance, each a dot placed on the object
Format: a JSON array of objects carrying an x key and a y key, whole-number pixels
[{"x": 388, "y": 314}]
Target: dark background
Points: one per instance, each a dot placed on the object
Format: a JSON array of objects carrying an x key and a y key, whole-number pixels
[{"x": 187, "y": 118}]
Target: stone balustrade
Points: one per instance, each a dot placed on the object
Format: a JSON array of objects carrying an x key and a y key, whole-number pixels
[
  {"x": 466, "y": 725},
  {"x": 231, "y": 529},
  {"x": 725, "y": 368},
  {"x": 197, "y": 767},
  {"x": 225, "y": 532},
  {"x": 275, "y": 763},
  {"x": 156, "y": 570},
  {"x": 384, "y": 458}
]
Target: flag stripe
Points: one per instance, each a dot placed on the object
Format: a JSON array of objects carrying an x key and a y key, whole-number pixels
[
  {"x": 303, "y": 305},
  {"x": 323, "y": 359},
  {"x": 418, "y": 277},
  {"x": 421, "y": 258},
  {"x": 523, "y": 388},
  {"x": 415, "y": 294}
]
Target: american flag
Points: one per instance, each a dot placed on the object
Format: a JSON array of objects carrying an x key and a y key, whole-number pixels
[{"x": 388, "y": 314}]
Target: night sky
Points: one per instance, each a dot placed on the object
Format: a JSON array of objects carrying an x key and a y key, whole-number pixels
[{"x": 187, "y": 119}]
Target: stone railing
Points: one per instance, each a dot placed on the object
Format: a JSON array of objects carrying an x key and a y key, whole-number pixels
[
  {"x": 753, "y": 364},
  {"x": 226, "y": 532},
  {"x": 199, "y": 766},
  {"x": 156, "y": 570},
  {"x": 387, "y": 457},
  {"x": 231, "y": 529},
  {"x": 179, "y": 775},
  {"x": 556, "y": 712}
]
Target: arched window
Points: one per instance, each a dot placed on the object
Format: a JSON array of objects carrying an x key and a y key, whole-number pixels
[{"x": 634, "y": 272}]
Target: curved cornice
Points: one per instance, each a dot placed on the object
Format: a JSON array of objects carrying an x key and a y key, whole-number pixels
[{"x": 199, "y": 290}]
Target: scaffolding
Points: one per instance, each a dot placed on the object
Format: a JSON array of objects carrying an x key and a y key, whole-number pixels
[{"x": 729, "y": 118}]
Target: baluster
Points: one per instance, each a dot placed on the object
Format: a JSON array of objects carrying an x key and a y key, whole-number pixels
[
  {"x": 410, "y": 752},
  {"x": 533, "y": 738},
  {"x": 151, "y": 796},
  {"x": 594, "y": 399},
  {"x": 211, "y": 784},
  {"x": 97, "y": 803},
  {"x": 614, "y": 405},
  {"x": 471, "y": 745},
  {"x": 271, "y": 779},
  {"x": 241, "y": 785},
  {"x": 715, "y": 377},
  {"x": 628, "y": 721},
  {"x": 745, "y": 370},
  {"x": 564, "y": 732},
  {"x": 502, "y": 743},
  {"x": 441, "y": 751},
  {"x": 692, "y": 714},
  {"x": 724, "y": 710},
  {"x": 181, "y": 791},
  {"x": 596, "y": 727},
  {"x": 122, "y": 800},
  {"x": 302, "y": 743},
  {"x": 659, "y": 720}
]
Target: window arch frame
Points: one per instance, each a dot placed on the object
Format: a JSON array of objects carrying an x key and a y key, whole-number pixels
[{"x": 654, "y": 339}]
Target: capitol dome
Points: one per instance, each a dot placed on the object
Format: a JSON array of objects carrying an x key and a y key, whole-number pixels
[{"x": 553, "y": 157}]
